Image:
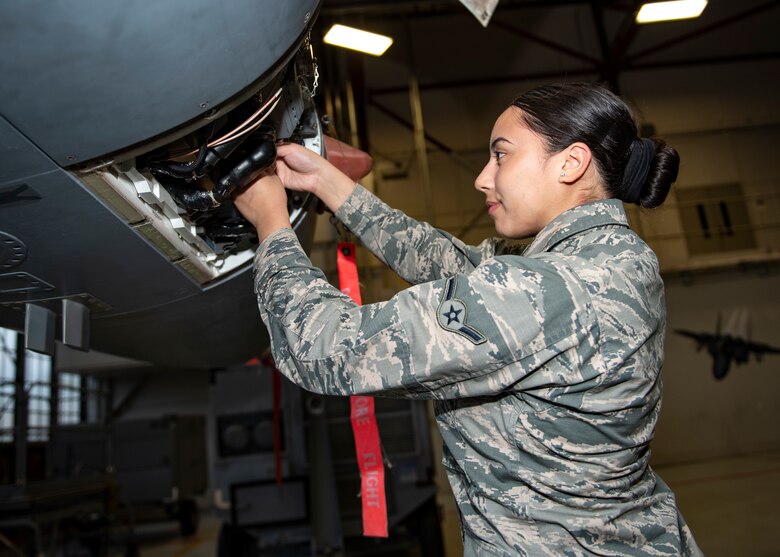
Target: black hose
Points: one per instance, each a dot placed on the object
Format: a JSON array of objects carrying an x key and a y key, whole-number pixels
[
  {"x": 188, "y": 197},
  {"x": 247, "y": 170},
  {"x": 192, "y": 166},
  {"x": 239, "y": 177},
  {"x": 187, "y": 169}
]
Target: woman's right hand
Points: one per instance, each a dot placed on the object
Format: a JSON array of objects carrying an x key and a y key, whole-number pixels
[{"x": 301, "y": 169}]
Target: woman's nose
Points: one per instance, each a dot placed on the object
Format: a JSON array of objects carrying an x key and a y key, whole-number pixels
[{"x": 485, "y": 179}]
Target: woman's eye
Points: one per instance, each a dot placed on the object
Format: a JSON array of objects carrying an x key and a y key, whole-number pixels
[{"x": 498, "y": 155}]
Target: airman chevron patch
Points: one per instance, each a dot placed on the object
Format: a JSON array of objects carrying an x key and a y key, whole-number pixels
[{"x": 452, "y": 314}]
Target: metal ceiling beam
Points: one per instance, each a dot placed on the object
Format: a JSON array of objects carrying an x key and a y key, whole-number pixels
[
  {"x": 597, "y": 10},
  {"x": 625, "y": 36},
  {"x": 578, "y": 72},
  {"x": 750, "y": 57},
  {"x": 479, "y": 82},
  {"x": 457, "y": 157},
  {"x": 542, "y": 41},
  {"x": 707, "y": 29},
  {"x": 607, "y": 74}
]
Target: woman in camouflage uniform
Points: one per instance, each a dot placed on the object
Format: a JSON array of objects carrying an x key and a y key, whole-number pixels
[{"x": 544, "y": 366}]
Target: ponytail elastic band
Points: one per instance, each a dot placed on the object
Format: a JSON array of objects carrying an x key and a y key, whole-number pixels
[{"x": 638, "y": 167}]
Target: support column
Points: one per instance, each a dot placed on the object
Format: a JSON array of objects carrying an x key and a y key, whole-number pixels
[
  {"x": 54, "y": 407},
  {"x": 421, "y": 148},
  {"x": 20, "y": 414},
  {"x": 326, "y": 518}
]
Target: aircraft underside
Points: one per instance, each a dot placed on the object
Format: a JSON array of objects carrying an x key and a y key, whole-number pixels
[{"x": 117, "y": 227}]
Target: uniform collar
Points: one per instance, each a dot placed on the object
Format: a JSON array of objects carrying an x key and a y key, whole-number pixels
[{"x": 604, "y": 212}]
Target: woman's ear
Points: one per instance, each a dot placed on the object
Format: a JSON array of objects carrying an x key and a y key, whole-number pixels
[{"x": 575, "y": 161}]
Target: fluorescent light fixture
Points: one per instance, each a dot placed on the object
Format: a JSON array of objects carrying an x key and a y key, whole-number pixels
[
  {"x": 667, "y": 11},
  {"x": 356, "y": 39}
]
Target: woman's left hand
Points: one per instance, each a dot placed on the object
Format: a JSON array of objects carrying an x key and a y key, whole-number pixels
[{"x": 264, "y": 205}]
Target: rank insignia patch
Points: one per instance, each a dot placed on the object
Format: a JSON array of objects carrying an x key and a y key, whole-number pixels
[{"x": 452, "y": 315}]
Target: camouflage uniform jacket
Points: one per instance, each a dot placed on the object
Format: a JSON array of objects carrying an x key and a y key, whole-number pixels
[{"x": 544, "y": 368}]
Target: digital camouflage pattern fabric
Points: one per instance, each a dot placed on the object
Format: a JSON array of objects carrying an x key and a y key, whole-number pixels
[{"x": 544, "y": 368}]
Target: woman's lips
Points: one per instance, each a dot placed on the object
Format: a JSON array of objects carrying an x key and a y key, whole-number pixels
[{"x": 492, "y": 208}]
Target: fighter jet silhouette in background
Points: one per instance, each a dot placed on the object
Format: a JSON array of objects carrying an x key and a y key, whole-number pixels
[{"x": 725, "y": 348}]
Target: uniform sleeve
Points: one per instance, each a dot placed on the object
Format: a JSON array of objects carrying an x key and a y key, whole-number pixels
[
  {"x": 471, "y": 334},
  {"x": 415, "y": 250}
]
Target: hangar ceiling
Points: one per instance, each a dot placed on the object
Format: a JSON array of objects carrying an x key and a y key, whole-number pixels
[
  {"x": 529, "y": 41},
  {"x": 712, "y": 74},
  {"x": 605, "y": 42}
]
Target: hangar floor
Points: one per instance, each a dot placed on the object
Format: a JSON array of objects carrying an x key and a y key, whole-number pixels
[{"x": 730, "y": 505}]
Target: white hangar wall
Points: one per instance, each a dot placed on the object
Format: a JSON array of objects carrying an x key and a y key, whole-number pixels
[{"x": 703, "y": 417}]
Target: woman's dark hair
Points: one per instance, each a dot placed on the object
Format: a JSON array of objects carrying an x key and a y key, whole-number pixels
[{"x": 634, "y": 170}]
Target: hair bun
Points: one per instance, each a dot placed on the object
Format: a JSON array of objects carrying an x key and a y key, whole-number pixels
[
  {"x": 663, "y": 173},
  {"x": 640, "y": 161}
]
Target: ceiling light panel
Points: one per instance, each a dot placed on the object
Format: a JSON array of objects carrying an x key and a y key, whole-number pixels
[
  {"x": 357, "y": 39},
  {"x": 668, "y": 11}
]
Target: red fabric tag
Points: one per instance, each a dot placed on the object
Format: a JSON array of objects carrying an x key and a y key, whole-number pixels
[
  {"x": 372, "y": 470},
  {"x": 364, "y": 427},
  {"x": 348, "y": 275}
]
